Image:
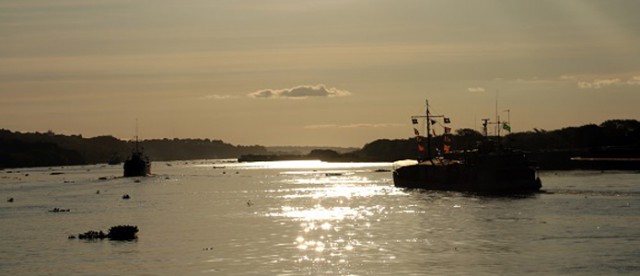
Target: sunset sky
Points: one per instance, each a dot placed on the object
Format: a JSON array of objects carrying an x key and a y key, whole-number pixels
[{"x": 317, "y": 73}]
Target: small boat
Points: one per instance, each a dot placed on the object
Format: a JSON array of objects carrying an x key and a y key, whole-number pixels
[
  {"x": 489, "y": 168},
  {"x": 137, "y": 164}
]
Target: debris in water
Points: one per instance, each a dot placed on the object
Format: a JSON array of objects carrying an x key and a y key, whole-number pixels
[
  {"x": 123, "y": 233},
  {"x": 59, "y": 210},
  {"x": 92, "y": 235},
  {"x": 116, "y": 233}
]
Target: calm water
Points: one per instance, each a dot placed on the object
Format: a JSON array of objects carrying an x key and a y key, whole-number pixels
[{"x": 300, "y": 218}]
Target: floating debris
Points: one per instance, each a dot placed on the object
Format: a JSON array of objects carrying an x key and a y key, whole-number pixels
[
  {"x": 102, "y": 178},
  {"x": 92, "y": 235},
  {"x": 10, "y": 200},
  {"x": 123, "y": 232},
  {"x": 59, "y": 210},
  {"x": 116, "y": 233},
  {"x": 97, "y": 192},
  {"x": 126, "y": 196},
  {"x": 56, "y": 173},
  {"x": 249, "y": 203}
]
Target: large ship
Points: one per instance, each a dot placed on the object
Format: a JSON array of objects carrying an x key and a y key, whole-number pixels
[
  {"x": 489, "y": 168},
  {"x": 137, "y": 164}
]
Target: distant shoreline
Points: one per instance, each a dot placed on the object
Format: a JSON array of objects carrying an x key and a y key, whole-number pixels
[{"x": 614, "y": 144}]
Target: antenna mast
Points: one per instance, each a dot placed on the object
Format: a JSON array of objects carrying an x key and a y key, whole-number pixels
[
  {"x": 428, "y": 117},
  {"x": 428, "y": 131}
]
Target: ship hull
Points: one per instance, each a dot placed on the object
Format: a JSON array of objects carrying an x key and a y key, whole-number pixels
[
  {"x": 459, "y": 177},
  {"x": 136, "y": 167}
]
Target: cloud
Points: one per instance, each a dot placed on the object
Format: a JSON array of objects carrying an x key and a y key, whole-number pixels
[
  {"x": 597, "y": 84},
  {"x": 301, "y": 92},
  {"x": 635, "y": 80},
  {"x": 568, "y": 77},
  {"x": 362, "y": 125},
  {"x": 601, "y": 83},
  {"x": 475, "y": 89},
  {"x": 217, "y": 97}
]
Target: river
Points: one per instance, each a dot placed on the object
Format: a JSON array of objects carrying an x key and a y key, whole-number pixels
[{"x": 217, "y": 217}]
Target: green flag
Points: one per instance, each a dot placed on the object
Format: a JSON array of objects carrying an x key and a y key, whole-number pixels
[{"x": 506, "y": 126}]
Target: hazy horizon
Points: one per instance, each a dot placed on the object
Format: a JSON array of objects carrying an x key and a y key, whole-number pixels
[{"x": 307, "y": 73}]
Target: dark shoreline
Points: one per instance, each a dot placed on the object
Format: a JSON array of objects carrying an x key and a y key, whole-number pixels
[{"x": 612, "y": 145}]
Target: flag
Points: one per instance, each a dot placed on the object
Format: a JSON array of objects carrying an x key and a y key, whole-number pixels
[
  {"x": 420, "y": 148},
  {"x": 433, "y": 122},
  {"x": 414, "y": 121},
  {"x": 447, "y": 148},
  {"x": 506, "y": 126},
  {"x": 447, "y": 130},
  {"x": 447, "y": 120},
  {"x": 416, "y": 132}
]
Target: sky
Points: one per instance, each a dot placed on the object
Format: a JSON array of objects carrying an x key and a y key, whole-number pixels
[{"x": 313, "y": 73}]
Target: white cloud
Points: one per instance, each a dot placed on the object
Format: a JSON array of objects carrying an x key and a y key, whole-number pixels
[
  {"x": 361, "y": 125},
  {"x": 635, "y": 80},
  {"x": 475, "y": 89},
  {"x": 605, "y": 82},
  {"x": 597, "y": 84},
  {"x": 568, "y": 77},
  {"x": 300, "y": 92},
  {"x": 217, "y": 97}
]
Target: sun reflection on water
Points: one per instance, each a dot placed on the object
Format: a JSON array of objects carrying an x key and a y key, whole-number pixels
[
  {"x": 290, "y": 164},
  {"x": 329, "y": 235},
  {"x": 334, "y": 209}
]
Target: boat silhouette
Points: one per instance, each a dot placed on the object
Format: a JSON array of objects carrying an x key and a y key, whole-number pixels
[
  {"x": 137, "y": 164},
  {"x": 489, "y": 168}
]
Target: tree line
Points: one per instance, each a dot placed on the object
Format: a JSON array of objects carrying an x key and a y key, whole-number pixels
[
  {"x": 550, "y": 149},
  {"x": 51, "y": 149}
]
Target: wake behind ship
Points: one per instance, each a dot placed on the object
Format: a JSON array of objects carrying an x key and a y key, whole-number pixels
[{"x": 489, "y": 168}]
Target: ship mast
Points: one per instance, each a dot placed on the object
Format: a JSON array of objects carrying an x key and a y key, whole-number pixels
[
  {"x": 428, "y": 131},
  {"x": 428, "y": 116},
  {"x": 137, "y": 149}
]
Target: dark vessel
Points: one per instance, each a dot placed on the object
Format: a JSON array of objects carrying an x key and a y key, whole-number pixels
[
  {"x": 137, "y": 164},
  {"x": 489, "y": 168}
]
